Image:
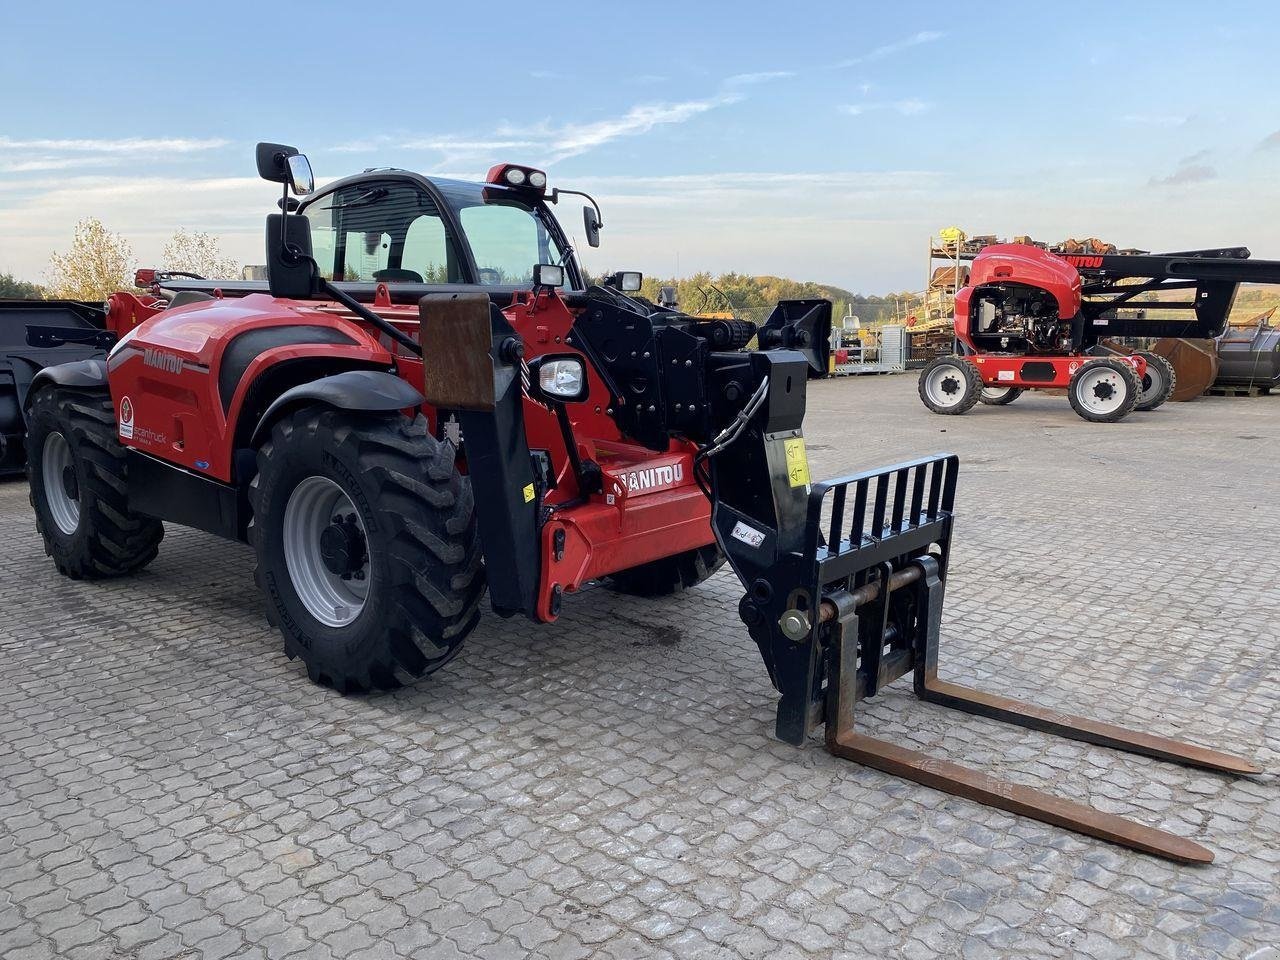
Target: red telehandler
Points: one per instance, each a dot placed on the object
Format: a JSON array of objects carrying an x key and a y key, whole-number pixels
[
  {"x": 1030, "y": 319},
  {"x": 427, "y": 397}
]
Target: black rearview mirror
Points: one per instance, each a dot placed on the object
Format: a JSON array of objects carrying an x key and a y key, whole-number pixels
[
  {"x": 592, "y": 225},
  {"x": 271, "y": 161},
  {"x": 300, "y": 177}
]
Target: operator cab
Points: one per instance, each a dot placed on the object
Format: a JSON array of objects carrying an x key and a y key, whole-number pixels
[{"x": 397, "y": 227}]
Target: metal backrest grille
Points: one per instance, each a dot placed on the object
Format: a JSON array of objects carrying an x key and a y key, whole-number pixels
[{"x": 881, "y": 513}]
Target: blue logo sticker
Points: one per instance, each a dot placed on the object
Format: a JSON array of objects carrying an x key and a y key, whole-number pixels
[{"x": 202, "y": 464}]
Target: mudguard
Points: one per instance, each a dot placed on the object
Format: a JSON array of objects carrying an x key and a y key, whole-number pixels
[
  {"x": 372, "y": 391},
  {"x": 89, "y": 374}
]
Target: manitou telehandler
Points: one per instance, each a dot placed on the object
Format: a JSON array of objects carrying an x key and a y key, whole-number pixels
[
  {"x": 1029, "y": 319},
  {"x": 414, "y": 406}
]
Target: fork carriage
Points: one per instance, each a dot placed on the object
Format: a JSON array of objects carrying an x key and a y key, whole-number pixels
[{"x": 844, "y": 595}]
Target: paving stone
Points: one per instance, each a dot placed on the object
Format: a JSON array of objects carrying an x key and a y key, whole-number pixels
[{"x": 609, "y": 786}]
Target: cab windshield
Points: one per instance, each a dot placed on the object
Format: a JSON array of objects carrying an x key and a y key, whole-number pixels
[{"x": 508, "y": 237}]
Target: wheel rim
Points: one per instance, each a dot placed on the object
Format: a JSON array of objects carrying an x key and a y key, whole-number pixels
[
  {"x": 1152, "y": 382},
  {"x": 995, "y": 393},
  {"x": 1100, "y": 391},
  {"x": 61, "y": 489},
  {"x": 945, "y": 386},
  {"x": 326, "y": 551}
]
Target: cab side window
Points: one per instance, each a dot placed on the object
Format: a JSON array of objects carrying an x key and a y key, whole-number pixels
[{"x": 387, "y": 231}]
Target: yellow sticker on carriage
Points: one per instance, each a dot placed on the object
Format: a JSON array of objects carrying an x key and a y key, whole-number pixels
[{"x": 797, "y": 462}]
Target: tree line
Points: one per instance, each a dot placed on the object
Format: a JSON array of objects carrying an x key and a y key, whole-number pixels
[
  {"x": 753, "y": 297},
  {"x": 99, "y": 262}
]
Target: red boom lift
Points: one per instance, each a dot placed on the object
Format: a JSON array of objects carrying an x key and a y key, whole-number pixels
[
  {"x": 415, "y": 406},
  {"x": 1029, "y": 319}
]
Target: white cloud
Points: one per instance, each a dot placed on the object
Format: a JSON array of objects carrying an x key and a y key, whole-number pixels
[
  {"x": 907, "y": 108},
  {"x": 889, "y": 49},
  {"x": 128, "y": 145},
  {"x": 574, "y": 139},
  {"x": 39, "y": 164},
  {"x": 1156, "y": 120},
  {"x": 543, "y": 143},
  {"x": 746, "y": 79},
  {"x": 1186, "y": 173}
]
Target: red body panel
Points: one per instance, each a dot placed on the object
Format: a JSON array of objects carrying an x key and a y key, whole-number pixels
[
  {"x": 165, "y": 377},
  {"x": 1008, "y": 370},
  {"x": 165, "y": 384},
  {"x": 650, "y": 508},
  {"x": 1019, "y": 263}
]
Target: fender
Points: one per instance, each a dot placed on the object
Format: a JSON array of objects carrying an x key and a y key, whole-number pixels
[
  {"x": 89, "y": 374},
  {"x": 371, "y": 391}
]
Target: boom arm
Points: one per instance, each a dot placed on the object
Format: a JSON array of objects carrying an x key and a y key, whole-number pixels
[{"x": 1210, "y": 276}]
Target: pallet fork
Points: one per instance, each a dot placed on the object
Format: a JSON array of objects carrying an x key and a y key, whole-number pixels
[{"x": 844, "y": 592}]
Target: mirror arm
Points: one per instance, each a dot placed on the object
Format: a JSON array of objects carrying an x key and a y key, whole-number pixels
[
  {"x": 284, "y": 209},
  {"x": 555, "y": 198}
]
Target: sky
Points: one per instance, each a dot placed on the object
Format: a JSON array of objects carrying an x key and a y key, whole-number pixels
[{"x": 818, "y": 141}]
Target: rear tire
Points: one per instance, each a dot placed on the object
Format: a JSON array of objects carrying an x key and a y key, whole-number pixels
[
  {"x": 950, "y": 385},
  {"x": 661, "y": 578},
  {"x": 999, "y": 396},
  {"x": 368, "y": 552},
  {"x": 1104, "y": 390},
  {"x": 1157, "y": 384},
  {"x": 79, "y": 478}
]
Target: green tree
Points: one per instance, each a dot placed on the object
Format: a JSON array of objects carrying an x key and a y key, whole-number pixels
[
  {"x": 98, "y": 264},
  {"x": 13, "y": 288}
]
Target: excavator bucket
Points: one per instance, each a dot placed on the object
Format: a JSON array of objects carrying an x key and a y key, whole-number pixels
[{"x": 857, "y": 604}]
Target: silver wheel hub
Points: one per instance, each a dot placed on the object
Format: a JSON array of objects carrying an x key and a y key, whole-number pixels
[
  {"x": 995, "y": 393},
  {"x": 945, "y": 386},
  {"x": 61, "y": 485},
  {"x": 326, "y": 551},
  {"x": 1101, "y": 390},
  {"x": 1152, "y": 381}
]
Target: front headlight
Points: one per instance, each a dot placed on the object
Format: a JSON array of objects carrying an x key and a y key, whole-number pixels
[{"x": 564, "y": 379}]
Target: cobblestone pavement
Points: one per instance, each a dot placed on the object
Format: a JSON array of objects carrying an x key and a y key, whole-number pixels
[{"x": 172, "y": 786}]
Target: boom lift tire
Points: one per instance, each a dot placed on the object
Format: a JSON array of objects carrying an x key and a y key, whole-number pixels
[
  {"x": 1104, "y": 390},
  {"x": 1158, "y": 383},
  {"x": 368, "y": 552},
  {"x": 999, "y": 396},
  {"x": 950, "y": 385},
  {"x": 78, "y": 475},
  {"x": 661, "y": 578}
]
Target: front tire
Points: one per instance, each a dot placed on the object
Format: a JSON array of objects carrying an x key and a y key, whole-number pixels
[
  {"x": 1158, "y": 383},
  {"x": 999, "y": 396},
  {"x": 79, "y": 480},
  {"x": 661, "y": 578},
  {"x": 1104, "y": 390},
  {"x": 950, "y": 385},
  {"x": 368, "y": 552}
]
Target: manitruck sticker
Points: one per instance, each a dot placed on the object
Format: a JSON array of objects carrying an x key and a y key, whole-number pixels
[{"x": 126, "y": 418}]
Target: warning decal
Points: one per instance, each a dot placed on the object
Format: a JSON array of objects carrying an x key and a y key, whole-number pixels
[
  {"x": 747, "y": 534},
  {"x": 126, "y": 418},
  {"x": 797, "y": 462}
]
